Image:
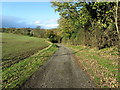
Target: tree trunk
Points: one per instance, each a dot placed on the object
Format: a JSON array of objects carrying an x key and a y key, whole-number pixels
[{"x": 116, "y": 19}]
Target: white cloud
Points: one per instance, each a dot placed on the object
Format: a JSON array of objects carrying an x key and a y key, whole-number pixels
[
  {"x": 48, "y": 24},
  {"x": 52, "y": 20},
  {"x": 51, "y": 25},
  {"x": 37, "y": 22},
  {"x": 11, "y": 21}
]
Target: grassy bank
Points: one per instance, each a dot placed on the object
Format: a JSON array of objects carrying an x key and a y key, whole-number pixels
[
  {"x": 18, "y": 47},
  {"x": 102, "y": 65},
  {"x": 20, "y": 72}
]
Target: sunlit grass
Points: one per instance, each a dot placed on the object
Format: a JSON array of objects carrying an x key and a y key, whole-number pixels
[
  {"x": 102, "y": 65},
  {"x": 18, "y": 47},
  {"x": 18, "y": 73}
]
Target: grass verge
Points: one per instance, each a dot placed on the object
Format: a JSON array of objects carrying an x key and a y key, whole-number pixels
[
  {"x": 18, "y": 73},
  {"x": 102, "y": 65}
]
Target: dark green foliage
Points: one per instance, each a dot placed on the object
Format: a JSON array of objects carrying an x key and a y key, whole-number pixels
[
  {"x": 87, "y": 23},
  {"x": 52, "y": 36}
]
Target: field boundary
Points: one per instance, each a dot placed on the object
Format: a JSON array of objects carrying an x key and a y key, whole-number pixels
[
  {"x": 17, "y": 48},
  {"x": 18, "y": 73}
]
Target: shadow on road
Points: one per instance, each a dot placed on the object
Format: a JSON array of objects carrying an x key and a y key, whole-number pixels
[{"x": 70, "y": 53}]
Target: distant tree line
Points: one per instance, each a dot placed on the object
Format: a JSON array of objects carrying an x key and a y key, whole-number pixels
[
  {"x": 50, "y": 34},
  {"x": 26, "y": 31},
  {"x": 88, "y": 23}
]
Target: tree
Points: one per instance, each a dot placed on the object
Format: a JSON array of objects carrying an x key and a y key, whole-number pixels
[
  {"x": 95, "y": 18},
  {"x": 52, "y": 36},
  {"x": 116, "y": 19},
  {"x": 38, "y": 27}
]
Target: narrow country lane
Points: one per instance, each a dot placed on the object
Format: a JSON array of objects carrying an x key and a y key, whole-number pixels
[{"x": 61, "y": 71}]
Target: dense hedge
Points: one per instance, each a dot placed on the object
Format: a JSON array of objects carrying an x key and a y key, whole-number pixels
[{"x": 88, "y": 23}]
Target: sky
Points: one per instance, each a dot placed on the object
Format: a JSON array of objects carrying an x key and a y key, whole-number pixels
[{"x": 29, "y": 15}]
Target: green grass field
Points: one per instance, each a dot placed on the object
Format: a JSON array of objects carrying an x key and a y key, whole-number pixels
[
  {"x": 102, "y": 65},
  {"x": 34, "y": 51},
  {"x": 18, "y": 47},
  {"x": 18, "y": 73}
]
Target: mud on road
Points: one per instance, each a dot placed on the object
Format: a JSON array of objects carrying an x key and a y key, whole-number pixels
[{"x": 61, "y": 71}]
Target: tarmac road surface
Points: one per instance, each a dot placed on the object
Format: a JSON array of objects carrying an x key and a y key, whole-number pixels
[{"x": 61, "y": 71}]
